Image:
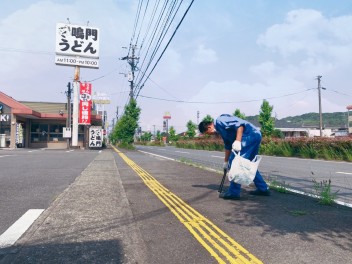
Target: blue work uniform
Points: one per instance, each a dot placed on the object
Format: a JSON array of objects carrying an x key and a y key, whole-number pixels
[{"x": 227, "y": 125}]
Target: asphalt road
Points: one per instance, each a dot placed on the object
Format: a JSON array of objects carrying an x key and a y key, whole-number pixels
[
  {"x": 32, "y": 179},
  {"x": 294, "y": 173},
  {"x": 128, "y": 205}
]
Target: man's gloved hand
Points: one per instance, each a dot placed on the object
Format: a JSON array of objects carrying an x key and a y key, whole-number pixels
[
  {"x": 225, "y": 166},
  {"x": 236, "y": 146}
]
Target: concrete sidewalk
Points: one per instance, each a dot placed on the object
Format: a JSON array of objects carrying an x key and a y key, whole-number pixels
[{"x": 90, "y": 222}]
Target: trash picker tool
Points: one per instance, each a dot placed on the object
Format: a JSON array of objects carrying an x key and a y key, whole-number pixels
[{"x": 222, "y": 181}]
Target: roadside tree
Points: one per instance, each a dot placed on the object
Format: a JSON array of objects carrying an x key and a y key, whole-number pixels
[
  {"x": 147, "y": 136},
  {"x": 239, "y": 114},
  {"x": 172, "y": 134},
  {"x": 158, "y": 135},
  {"x": 191, "y": 129},
  {"x": 126, "y": 126},
  {"x": 265, "y": 119},
  {"x": 208, "y": 118}
]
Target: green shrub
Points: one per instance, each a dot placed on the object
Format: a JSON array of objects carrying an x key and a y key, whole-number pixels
[
  {"x": 312, "y": 148},
  {"x": 201, "y": 143},
  {"x": 308, "y": 152}
]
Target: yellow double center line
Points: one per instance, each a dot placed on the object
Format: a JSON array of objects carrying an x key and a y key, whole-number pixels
[{"x": 221, "y": 246}]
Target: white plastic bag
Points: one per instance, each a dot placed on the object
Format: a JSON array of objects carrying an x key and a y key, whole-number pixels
[{"x": 243, "y": 170}]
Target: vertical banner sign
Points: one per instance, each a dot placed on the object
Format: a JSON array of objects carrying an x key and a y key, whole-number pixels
[
  {"x": 19, "y": 134},
  {"x": 95, "y": 137},
  {"x": 85, "y": 103}
]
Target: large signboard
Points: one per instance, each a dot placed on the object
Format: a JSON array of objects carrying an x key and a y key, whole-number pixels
[
  {"x": 95, "y": 137},
  {"x": 85, "y": 103},
  {"x": 101, "y": 98},
  {"x": 167, "y": 115},
  {"x": 77, "y": 45}
]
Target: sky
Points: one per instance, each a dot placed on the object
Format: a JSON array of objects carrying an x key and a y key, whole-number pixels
[{"x": 225, "y": 55}]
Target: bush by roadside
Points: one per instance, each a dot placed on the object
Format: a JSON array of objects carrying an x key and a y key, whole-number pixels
[{"x": 314, "y": 148}]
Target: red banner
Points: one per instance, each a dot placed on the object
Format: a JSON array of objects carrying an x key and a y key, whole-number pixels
[{"x": 85, "y": 103}]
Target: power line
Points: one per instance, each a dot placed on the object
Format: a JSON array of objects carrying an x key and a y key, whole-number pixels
[
  {"x": 103, "y": 76},
  {"x": 140, "y": 29},
  {"x": 161, "y": 20},
  {"x": 167, "y": 45},
  {"x": 151, "y": 39},
  {"x": 338, "y": 92},
  {"x": 27, "y": 51},
  {"x": 149, "y": 24},
  {"x": 224, "y": 102}
]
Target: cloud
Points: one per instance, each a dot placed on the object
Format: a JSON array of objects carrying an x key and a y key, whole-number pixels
[
  {"x": 264, "y": 69},
  {"x": 169, "y": 66},
  {"x": 205, "y": 55},
  {"x": 28, "y": 48},
  {"x": 305, "y": 45},
  {"x": 308, "y": 32}
]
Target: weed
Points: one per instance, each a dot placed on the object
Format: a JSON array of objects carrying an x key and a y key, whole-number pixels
[
  {"x": 324, "y": 192},
  {"x": 279, "y": 186},
  {"x": 189, "y": 162},
  {"x": 184, "y": 160},
  {"x": 275, "y": 184},
  {"x": 297, "y": 213}
]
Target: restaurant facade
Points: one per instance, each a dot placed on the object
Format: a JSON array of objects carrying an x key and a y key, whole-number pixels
[{"x": 26, "y": 124}]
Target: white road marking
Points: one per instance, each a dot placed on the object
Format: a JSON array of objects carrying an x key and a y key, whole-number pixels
[
  {"x": 14, "y": 232},
  {"x": 33, "y": 150},
  {"x": 341, "y": 172},
  {"x": 70, "y": 150},
  {"x": 316, "y": 196},
  {"x": 221, "y": 157},
  {"x": 312, "y": 160},
  {"x": 156, "y": 155},
  {"x": 182, "y": 152},
  {"x": 5, "y": 156}
]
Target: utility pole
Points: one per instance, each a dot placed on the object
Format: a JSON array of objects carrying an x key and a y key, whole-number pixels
[
  {"x": 320, "y": 113},
  {"x": 132, "y": 61},
  {"x": 131, "y": 74},
  {"x": 76, "y": 84},
  {"x": 68, "y": 120},
  {"x": 197, "y": 117}
]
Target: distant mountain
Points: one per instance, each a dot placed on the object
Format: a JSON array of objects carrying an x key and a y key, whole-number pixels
[{"x": 311, "y": 120}]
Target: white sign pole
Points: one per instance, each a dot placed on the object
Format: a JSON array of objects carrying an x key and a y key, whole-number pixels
[
  {"x": 76, "y": 85},
  {"x": 76, "y": 45}
]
